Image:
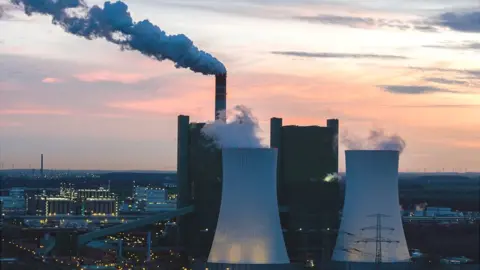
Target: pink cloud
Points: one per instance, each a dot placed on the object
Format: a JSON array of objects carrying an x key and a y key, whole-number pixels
[
  {"x": 34, "y": 112},
  {"x": 51, "y": 80},
  {"x": 109, "y": 76},
  {"x": 10, "y": 124},
  {"x": 109, "y": 115}
]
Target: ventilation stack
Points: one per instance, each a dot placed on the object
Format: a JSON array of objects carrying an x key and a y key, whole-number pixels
[
  {"x": 249, "y": 234},
  {"x": 371, "y": 229},
  {"x": 220, "y": 95}
]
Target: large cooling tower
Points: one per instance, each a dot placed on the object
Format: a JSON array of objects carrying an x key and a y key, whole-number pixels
[
  {"x": 248, "y": 229},
  {"x": 371, "y": 228}
]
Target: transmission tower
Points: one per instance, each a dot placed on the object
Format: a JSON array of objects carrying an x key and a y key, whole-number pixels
[{"x": 379, "y": 239}]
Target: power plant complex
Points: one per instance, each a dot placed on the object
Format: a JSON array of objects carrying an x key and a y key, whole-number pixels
[
  {"x": 271, "y": 208},
  {"x": 248, "y": 207}
]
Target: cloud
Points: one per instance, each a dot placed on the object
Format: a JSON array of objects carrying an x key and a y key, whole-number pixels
[
  {"x": 109, "y": 76},
  {"x": 471, "y": 45},
  {"x": 4, "y": 124},
  {"x": 51, "y": 80},
  {"x": 33, "y": 112},
  {"x": 446, "y": 81},
  {"x": 441, "y": 106},
  {"x": 338, "y": 55},
  {"x": 460, "y": 21},
  {"x": 413, "y": 89},
  {"x": 368, "y": 22},
  {"x": 474, "y": 73}
]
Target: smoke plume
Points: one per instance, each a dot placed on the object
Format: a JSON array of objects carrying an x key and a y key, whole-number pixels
[
  {"x": 240, "y": 130},
  {"x": 377, "y": 140},
  {"x": 114, "y": 23}
]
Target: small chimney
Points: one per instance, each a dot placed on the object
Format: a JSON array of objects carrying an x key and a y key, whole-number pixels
[
  {"x": 41, "y": 165},
  {"x": 220, "y": 94}
]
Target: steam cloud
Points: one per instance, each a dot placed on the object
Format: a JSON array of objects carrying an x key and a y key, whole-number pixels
[
  {"x": 377, "y": 140},
  {"x": 114, "y": 23},
  {"x": 240, "y": 130}
]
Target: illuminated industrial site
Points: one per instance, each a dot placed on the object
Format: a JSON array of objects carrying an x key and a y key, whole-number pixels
[{"x": 239, "y": 198}]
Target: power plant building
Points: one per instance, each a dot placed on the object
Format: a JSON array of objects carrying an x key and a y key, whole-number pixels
[
  {"x": 199, "y": 173},
  {"x": 309, "y": 205}
]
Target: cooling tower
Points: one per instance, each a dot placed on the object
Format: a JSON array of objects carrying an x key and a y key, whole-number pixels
[
  {"x": 248, "y": 231},
  {"x": 220, "y": 94},
  {"x": 371, "y": 227}
]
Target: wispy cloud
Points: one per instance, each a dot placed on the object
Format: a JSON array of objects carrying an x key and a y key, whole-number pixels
[
  {"x": 337, "y": 55},
  {"x": 472, "y": 45},
  {"x": 5, "y": 124},
  {"x": 33, "y": 112},
  {"x": 446, "y": 81},
  {"x": 51, "y": 80},
  {"x": 460, "y": 21},
  {"x": 109, "y": 76},
  {"x": 474, "y": 73},
  {"x": 414, "y": 89},
  {"x": 441, "y": 106},
  {"x": 368, "y": 22}
]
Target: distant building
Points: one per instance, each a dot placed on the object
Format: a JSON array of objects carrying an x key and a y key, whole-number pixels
[
  {"x": 100, "y": 206},
  {"x": 310, "y": 204},
  {"x": 43, "y": 205},
  {"x": 151, "y": 199},
  {"x": 93, "y": 193},
  {"x": 14, "y": 203}
]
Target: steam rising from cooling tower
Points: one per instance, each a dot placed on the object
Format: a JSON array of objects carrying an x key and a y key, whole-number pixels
[
  {"x": 240, "y": 130},
  {"x": 114, "y": 23},
  {"x": 377, "y": 140}
]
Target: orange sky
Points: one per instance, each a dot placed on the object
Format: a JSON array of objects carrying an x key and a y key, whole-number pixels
[{"x": 87, "y": 105}]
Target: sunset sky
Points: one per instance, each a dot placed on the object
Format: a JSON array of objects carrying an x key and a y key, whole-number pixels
[{"x": 409, "y": 67}]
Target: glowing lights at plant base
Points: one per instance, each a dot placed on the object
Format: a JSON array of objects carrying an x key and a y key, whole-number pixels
[
  {"x": 371, "y": 222},
  {"x": 248, "y": 229}
]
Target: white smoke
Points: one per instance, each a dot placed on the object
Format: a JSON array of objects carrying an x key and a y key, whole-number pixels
[
  {"x": 377, "y": 140},
  {"x": 237, "y": 128}
]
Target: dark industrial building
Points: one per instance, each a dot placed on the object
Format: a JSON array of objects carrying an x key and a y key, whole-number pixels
[
  {"x": 199, "y": 175},
  {"x": 309, "y": 205}
]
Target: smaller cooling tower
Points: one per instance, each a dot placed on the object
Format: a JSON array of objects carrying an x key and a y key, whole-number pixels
[
  {"x": 371, "y": 229},
  {"x": 248, "y": 231}
]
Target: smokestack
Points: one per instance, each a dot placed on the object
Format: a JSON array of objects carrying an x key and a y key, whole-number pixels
[
  {"x": 41, "y": 164},
  {"x": 220, "y": 94}
]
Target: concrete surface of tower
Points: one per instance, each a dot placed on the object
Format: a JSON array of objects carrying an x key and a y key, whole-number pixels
[
  {"x": 371, "y": 229},
  {"x": 248, "y": 231},
  {"x": 309, "y": 206}
]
